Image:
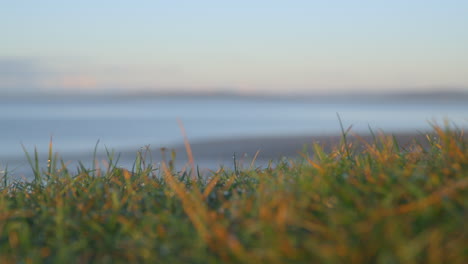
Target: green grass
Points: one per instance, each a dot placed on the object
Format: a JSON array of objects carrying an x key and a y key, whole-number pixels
[{"x": 380, "y": 204}]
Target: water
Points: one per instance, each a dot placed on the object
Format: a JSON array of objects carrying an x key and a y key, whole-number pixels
[{"x": 77, "y": 124}]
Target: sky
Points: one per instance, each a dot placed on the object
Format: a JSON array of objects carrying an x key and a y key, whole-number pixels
[{"x": 243, "y": 46}]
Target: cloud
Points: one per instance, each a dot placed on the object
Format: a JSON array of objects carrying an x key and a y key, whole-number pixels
[
  {"x": 70, "y": 82},
  {"x": 19, "y": 74},
  {"x": 28, "y": 75}
]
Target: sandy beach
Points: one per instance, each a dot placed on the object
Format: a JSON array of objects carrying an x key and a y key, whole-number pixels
[{"x": 214, "y": 153}]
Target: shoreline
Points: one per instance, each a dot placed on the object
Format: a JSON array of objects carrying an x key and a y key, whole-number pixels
[{"x": 213, "y": 154}]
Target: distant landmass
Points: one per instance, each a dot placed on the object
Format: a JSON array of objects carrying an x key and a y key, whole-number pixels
[{"x": 434, "y": 96}]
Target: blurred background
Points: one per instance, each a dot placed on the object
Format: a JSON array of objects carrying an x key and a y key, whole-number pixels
[{"x": 240, "y": 75}]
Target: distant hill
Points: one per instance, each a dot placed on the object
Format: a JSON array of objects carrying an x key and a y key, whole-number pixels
[{"x": 432, "y": 96}]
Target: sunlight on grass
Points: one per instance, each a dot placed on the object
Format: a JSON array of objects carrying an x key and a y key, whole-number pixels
[{"x": 362, "y": 202}]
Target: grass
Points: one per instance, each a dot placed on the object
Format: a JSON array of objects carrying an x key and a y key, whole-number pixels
[{"x": 367, "y": 203}]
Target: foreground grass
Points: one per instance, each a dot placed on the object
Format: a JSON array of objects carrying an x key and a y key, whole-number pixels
[{"x": 376, "y": 203}]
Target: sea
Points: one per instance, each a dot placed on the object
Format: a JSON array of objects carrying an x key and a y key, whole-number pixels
[{"x": 77, "y": 124}]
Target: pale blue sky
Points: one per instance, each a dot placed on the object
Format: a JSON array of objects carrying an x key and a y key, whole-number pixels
[{"x": 237, "y": 46}]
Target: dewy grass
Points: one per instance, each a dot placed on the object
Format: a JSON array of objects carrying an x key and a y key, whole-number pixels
[{"x": 383, "y": 203}]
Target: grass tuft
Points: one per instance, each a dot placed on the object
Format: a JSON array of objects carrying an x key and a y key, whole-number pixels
[{"x": 378, "y": 202}]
